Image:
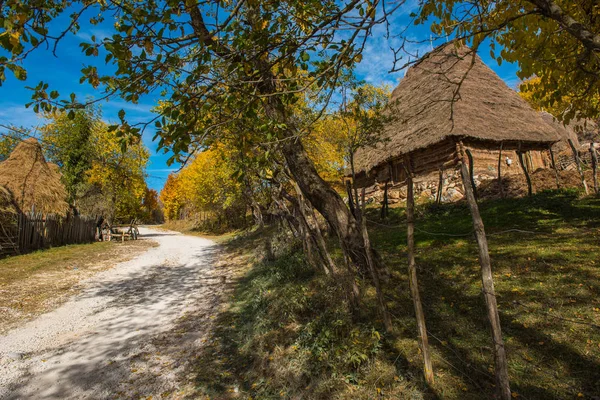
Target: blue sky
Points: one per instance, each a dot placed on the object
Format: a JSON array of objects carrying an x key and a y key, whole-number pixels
[{"x": 62, "y": 72}]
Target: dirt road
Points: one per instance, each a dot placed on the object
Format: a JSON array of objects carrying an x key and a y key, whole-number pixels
[{"x": 128, "y": 334}]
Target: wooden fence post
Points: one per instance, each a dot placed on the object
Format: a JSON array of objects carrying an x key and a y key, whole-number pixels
[
  {"x": 594, "y": 166},
  {"x": 554, "y": 167},
  {"x": 384, "y": 206},
  {"x": 412, "y": 275},
  {"x": 524, "y": 168},
  {"x": 578, "y": 164},
  {"x": 438, "y": 196},
  {"x": 501, "y": 365},
  {"x": 471, "y": 173},
  {"x": 387, "y": 321},
  {"x": 500, "y": 186}
]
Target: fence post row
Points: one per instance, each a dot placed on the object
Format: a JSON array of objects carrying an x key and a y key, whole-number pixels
[{"x": 36, "y": 231}]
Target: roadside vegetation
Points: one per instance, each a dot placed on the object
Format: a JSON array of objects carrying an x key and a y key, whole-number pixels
[
  {"x": 289, "y": 333},
  {"x": 35, "y": 283}
]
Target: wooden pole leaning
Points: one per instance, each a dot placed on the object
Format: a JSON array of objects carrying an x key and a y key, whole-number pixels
[
  {"x": 578, "y": 164},
  {"x": 594, "y": 158},
  {"x": 554, "y": 166},
  {"x": 500, "y": 361},
  {"x": 412, "y": 274},
  {"x": 500, "y": 171},
  {"x": 524, "y": 168}
]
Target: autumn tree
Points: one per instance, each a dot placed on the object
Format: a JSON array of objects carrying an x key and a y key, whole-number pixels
[
  {"x": 247, "y": 61},
  {"x": 10, "y": 137},
  {"x": 69, "y": 145}
]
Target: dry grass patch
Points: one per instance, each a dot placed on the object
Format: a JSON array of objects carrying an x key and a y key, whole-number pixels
[{"x": 36, "y": 283}]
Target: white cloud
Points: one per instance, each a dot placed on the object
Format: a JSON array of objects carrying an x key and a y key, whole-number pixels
[{"x": 17, "y": 114}]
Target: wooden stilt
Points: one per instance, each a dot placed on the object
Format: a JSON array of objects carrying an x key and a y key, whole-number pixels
[
  {"x": 373, "y": 270},
  {"x": 500, "y": 171},
  {"x": 578, "y": 164},
  {"x": 471, "y": 174},
  {"x": 524, "y": 167},
  {"x": 440, "y": 188},
  {"x": 501, "y": 365},
  {"x": 554, "y": 167},
  {"x": 594, "y": 157},
  {"x": 412, "y": 274}
]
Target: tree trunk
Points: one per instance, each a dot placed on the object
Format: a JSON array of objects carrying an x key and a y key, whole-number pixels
[
  {"x": 313, "y": 225},
  {"x": 500, "y": 186},
  {"x": 594, "y": 157},
  {"x": 554, "y": 167},
  {"x": 350, "y": 198},
  {"x": 326, "y": 200},
  {"x": 412, "y": 275},
  {"x": 578, "y": 164},
  {"x": 501, "y": 365}
]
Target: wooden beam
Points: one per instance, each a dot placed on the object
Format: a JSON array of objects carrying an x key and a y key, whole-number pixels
[
  {"x": 500, "y": 171},
  {"x": 594, "y": 166},
  {"x": 412, "y": 275},
  {"x": 487, "y": 280},
  {"x": 524, "y": 168},
  {"x": 578, "y": 164},
  {"x": 554, "y": 167}
]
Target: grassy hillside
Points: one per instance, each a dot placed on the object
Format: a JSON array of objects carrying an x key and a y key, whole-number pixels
[{"x": 288, "y": 332}]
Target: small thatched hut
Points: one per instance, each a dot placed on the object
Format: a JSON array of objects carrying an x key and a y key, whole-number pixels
[
  {"x": 447, "y": 97},
  {"x": 32, "y": 182}
]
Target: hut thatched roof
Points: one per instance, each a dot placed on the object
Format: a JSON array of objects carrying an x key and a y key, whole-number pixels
[
  {"x": 440, "y": 97},
  {"x": 31, "y": 181},
  {"x": 564, "y": 132}
]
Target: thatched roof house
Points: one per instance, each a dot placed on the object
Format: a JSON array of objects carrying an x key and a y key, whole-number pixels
[
  {"x": 32, "y": 182},
  {"x": 452, "y": 95}
]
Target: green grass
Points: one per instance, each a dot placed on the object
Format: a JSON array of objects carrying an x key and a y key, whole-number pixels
[{"x": 288, "y": 332}]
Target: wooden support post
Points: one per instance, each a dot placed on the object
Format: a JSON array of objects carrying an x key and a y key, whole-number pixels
[
  {"x": 501, "y": 365},
  {"x": 412, "y": 275},
  {"x": 471, "y": 174},
  {"x": 578, "y": 164},
  {"x": 387, "y": 321},
  {"x": 500, "y": 186},
  {"x": 384, "y": 205},
  {"x": 594, "y": 157},
  {"x": 440, "y": 188},
  {"x": 554, "y": 167},
  {"x": 524, "y": 167}
]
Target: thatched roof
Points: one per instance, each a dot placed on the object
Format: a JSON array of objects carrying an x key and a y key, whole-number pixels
[
  {"x": 31, "y": 181},
  {"x": 564, "y": 132},
  {"x": 428, "y": 110}
]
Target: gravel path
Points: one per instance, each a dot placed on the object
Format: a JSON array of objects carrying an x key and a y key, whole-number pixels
[{"x": 129, "y": 333}]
